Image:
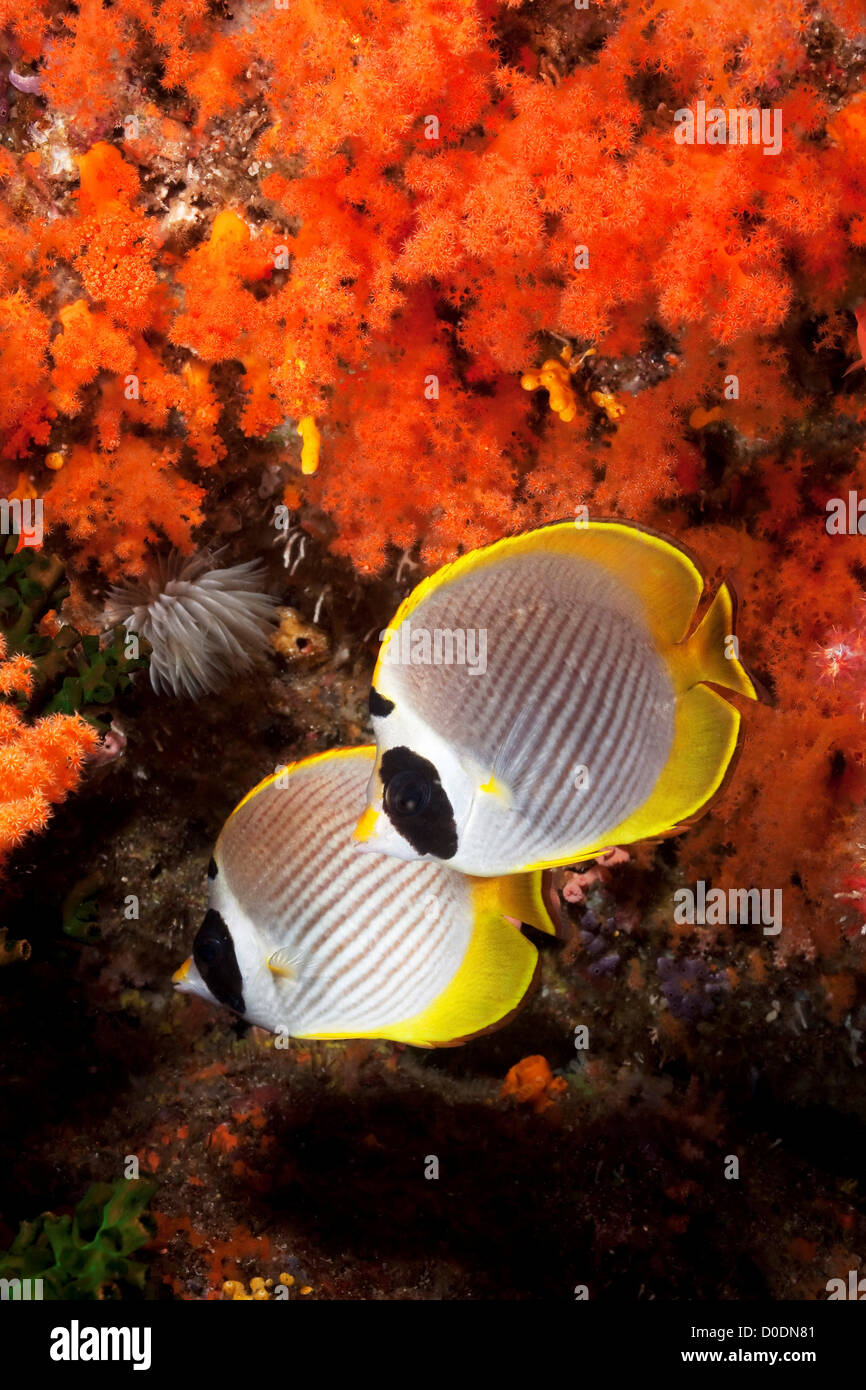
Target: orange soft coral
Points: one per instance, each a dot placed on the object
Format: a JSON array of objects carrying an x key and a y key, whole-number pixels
[
  {"x": 419, "y": 214},
  {"x": 219, "y": 311},
  {"x": 405, "y": 163},
  {"x": 25, "y": 409},
  {"x": 86, "y": 68},
  {"x": 87, "y": 344},
  {"x": 40, "y": 763},
  {"x": 115, "y": 505}
]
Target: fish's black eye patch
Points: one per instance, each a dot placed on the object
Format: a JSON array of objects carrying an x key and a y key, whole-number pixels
[
  {"x": 214, "y": 954},
  {"x": 417, "y": 804},
  {"x": 380, "y": 706},
  {"x": 211, "y": 868}
]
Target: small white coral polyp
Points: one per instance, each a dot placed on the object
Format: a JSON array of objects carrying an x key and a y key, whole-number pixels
[{"x": 204, "y": 625}]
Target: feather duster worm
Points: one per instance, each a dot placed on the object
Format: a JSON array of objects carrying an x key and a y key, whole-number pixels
[{"x": 204, "y": 625}]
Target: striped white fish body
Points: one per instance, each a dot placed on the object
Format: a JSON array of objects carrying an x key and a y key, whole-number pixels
[
  {"x": 328, "y": 942},
  {"x": 560, "y": 720}
]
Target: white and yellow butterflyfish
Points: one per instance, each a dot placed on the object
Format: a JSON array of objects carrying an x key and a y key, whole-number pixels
[
  {"x": 550, "y": 696},
  {"x": 304, "y": 936}
]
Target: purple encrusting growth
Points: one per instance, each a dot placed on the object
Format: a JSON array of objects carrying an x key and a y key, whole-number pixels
[
  {"x": 689, "y": 987},
  {"x": 30, "y": 83},
  {"x": 596, "y": 938}
]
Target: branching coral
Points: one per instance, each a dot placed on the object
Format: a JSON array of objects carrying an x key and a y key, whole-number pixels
[
  {"x": 116, "y": 503},
  {"x": 410, "y": 248},
  {"x": 24, "y": 405}
]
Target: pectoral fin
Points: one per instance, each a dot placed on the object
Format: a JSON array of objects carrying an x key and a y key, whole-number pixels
[{"x": 282, "y": 963}]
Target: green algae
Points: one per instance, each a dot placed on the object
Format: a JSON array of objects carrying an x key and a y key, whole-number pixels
[{"x": 85, "y": 1255}]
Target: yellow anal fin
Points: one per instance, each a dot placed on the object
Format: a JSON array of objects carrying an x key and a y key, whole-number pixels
[
  {"x": 489, "y": 986},
  {"x": 706, "y": 728},
  {"x": 515, "y": 895},
  {"x": 711, "y": 653}
]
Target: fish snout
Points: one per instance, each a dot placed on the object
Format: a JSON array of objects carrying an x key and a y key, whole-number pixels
[
  {"x": 375, "y": 834},
  {"x": 181, "y": 973}
]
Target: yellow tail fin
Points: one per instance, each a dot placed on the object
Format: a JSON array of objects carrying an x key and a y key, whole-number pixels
[{"x": 711, "y": 653}]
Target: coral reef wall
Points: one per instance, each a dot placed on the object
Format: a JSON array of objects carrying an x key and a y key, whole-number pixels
[
  {"x": 376, "y": 221},
  {"x": 380, "y": 282}
]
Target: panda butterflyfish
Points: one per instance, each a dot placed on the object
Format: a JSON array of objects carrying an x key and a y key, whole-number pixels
[
  {"x": 548, "y": 697},
  {"x": 306, "y": 937}
]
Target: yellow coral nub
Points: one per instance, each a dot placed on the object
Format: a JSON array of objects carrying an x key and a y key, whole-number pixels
[
  {"x": 556, "y": 380},
  {"x": 229, "y": 229},
  {"x": 613, "y": 409},
  {"x": 308, "y": 431},
  {"x": 260, "y": 1290}
]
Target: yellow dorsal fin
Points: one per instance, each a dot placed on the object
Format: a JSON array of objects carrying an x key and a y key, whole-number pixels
[
  {"x": 495, "y": 974},
  {"x": 711, "y": 652},
  {"x": 364, "y": 751},
  {"x": 515, "y": 895},
  {"x": 663, "y": 577}
]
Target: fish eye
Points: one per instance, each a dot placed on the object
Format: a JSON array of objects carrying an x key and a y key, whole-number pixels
[
  {"x": 208, "y": 949},
  {"x": 407, "y": 793},
  {"x": 417, "y": 804}
]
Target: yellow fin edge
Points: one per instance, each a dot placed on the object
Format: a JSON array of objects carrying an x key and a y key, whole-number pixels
[
  {"x": 663, "y": 576},
  {"x": 365, "y": 750},
  {"x": 489, "y": 986},
  {"x": 706, "y": 732},
  {"x": 711, "y": 652}
]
